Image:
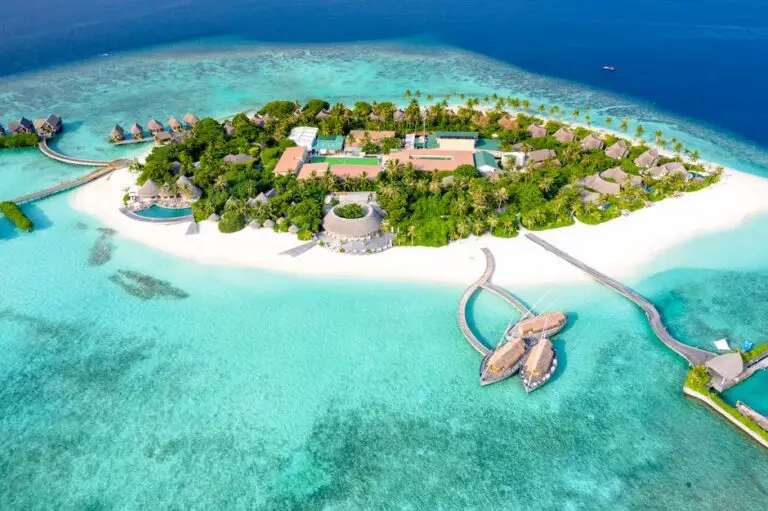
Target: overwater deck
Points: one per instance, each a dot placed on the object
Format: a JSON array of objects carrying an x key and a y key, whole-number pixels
[
  {"x": 694, "y": 356},
  {"x": 484, "y": 282}
]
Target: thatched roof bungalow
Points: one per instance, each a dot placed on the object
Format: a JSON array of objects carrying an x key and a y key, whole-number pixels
[
  {"x": 353, "y": 228},
  {"x": 148, "y": 190},
  {"x": 229, "y": 130},
  {"x": 588, "y": 197},
  {"x": 648, "y": 159},
  {"x": 375, "y": 118},
  {"x": 117, "y": 133},
  {"x": 137, "y": 131},
  {"x": 258, "y": 120},
  {"x": 507, "y": 123},
  {"x": 322, "y": 114},
  {"x": 188, "y": 189},
  {"x": 618, "y": 175},
  {"x": 163, "y": 137},
  {"x": 23, "y": 125},
  {"x": 190, "y": 119},
  {"x": 399, "y": 115},
  {"x": 564, "y": 136},
  {"x": 255, "y": 224},
  {"x": 537, "y": 131},
  {"x": 293, "y": 229},
  {"x": 214, "y": 217},
  {"x": 239, "y": 159},
  {"x": 600, "y": 185},
  {"x": 154, "y": 126},
  {"x": 592, "y": 143},
  {"x": 262, "y": 198},
  {"x": 49, "y": 125},
  {"x": 542, "y": 155},
  {"x": 175, "y": 125},
  {"x": 269, "y": 223},
  {"x": 618, "y": 150},
  {"x": 671, "y": 168}
]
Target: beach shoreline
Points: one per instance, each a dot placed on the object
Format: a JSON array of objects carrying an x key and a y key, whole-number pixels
[{"x": 620, "y": 247}]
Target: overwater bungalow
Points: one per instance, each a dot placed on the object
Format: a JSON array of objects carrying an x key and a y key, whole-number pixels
[
  {"x": 163, "y": 137},
  {"x": 618, "y": 150},
  {"x": 23, "y": 125},
  {"x": 48, "y": 126},
  {"x": 648, "y": 159},
  {"x": 600, "y": 185},
  {"x": 592, "y": 143},
  {"x": 239, "y": 159},
  {"x": 148, "y": 190},
  {"x": 625, "y": 180},
  {"x": 175, "y": 125},
  {"x": 543, "y": 325},
  {"x": 154, "y": 126},
  {"x": 137, "y": 132},
  {"x": 537, "y": 131},
  {"x": 187, "y": 189},
  {"x": 539, "y": 364},
  {"x": 507, "y": 123},
  {"x": 564, "y": 136},
  {"x": 503, "y": 361},
  {"x": 190, "y": 119},
  {"x": 117, "y": 134},
  {"x": 724, "y": 369}
]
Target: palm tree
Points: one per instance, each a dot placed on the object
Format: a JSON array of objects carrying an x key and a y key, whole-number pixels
[
  {"x": 430, "y": 97},
  {"x": 514, "y": 103},
  {"x": 658, "y": 135},
  {"x": 526, "y": 104},
  {"x": 508, "y": 225},
  {"x": 575, "y": 114},
  {"x": 221, "y": 182},
  {"x": 493, "y": 221},
  {"x": 695, "y": 156},
  {"x": 608, "y": 120},
  {"x": 461, "y": 206},
  {"x": 542, "y": 108},
  {"x": 588, "y": 119},
  {"x": 545, "y": 183},
  {"x": 407, "y": 93},
  {"x": 411, "y": 232},
  {"x": 678, "y": 147},
  {"x": 624, "y": 124},
  {"x": 462, "y": 228},
  {"x": 478, "y": 227},
  {"x": 501, "y": 195}
]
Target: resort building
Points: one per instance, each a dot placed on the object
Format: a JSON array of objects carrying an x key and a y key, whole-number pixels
[
  {"x": 154, "y": 126},
  {"x": 648, "y": 159},
  {"x": 229, "y": 130},
  {"x": 48, "y": 126},
  {"x": 117, "y": 134},
  {"x": 350, "y": 198},
  {"x": 671, "y": 168},
  {"x": 356, "y": 235},
  {"x": 2, "y": 130},
  {"x": 624, "y": 180},
  {"x": 148, "y": 190},
  {"x": 725, "y": 368},
  {"x": 303, "y": 136},
  {"x": 23, "y": 125},
  {"x": 588, "y": 197},
  {"x": 481, "y": 120},
  {"x": 509, "y": 124},
  {"x": 399, "y": 115},
  {"x": 163, "y": 138},
  {"x": 328, "y": 145},
  {"x": 262, "y": 198},
  {"x": 239, "y": 159},
  {"x": 537, "y": 131},
  {"x": 188, "y": 190},
  {"x": 456, "y": 140},
  {"x": 564, "y": 136},
  {"x": 486, "y": 163},
  {"x": 600, "y": 185},
  {"x": 322, "y": 114},
  {"x": 540, "y": 157},
  {"x": 291, "y": 160},
  {"x": 357, "y": 138},
  {"x": 175, "y": 125},
  {"x": 431, "y": 160},
  {"x": 592, "y": 143},
  {"x": 258, "y": 120},
  {"x": 190, "y": 119},
  {"x": 618, "y": 150},
  {"x": 137, "y": 132},
  {"x": 309, "y": 170}
]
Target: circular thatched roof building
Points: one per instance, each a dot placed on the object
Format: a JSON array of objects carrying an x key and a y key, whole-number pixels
[{"x": 353, "y": 228}]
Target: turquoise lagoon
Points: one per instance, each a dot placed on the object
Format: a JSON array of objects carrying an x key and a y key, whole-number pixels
[{"x": 131, "y": 379}]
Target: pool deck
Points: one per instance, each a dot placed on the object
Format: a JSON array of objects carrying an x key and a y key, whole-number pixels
[{"x": 174, "y": 220}]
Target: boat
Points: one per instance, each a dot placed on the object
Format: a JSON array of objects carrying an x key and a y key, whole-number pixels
[
  {"x": 538, "y": 365},
  {"x": 546, "y": 325},
  {"x": 609, "y": 68},
  {"x": 503, "y": 361},
  {"x": 722, "y": 344}
]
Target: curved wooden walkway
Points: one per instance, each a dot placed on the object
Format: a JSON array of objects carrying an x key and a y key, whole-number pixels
[
  {"x": 46, "y": 150},
  {"x": 694, "y": 356},
  {"x": 484, "y": 282}
]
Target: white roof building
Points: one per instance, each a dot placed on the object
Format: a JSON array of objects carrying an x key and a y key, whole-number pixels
[{"x": 303, "y": 136}]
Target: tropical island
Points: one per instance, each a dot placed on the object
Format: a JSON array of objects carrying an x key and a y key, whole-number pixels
[{"x": 437, "y": 174}]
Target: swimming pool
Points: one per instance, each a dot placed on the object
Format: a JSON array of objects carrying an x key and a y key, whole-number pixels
[
  {"x": 155, "y": 211},
  {"x": 344, "y": 161}
]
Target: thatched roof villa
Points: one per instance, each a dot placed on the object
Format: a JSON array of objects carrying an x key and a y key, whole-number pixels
[
  {"x": 671, "y": 168},
  {"x": 163, "y": 137},
  {"x": 190, "y": 119},
  {"x": 347, "y": 229},
  {"x": 239, "y": 159},
  {"x": 618, "y": 175},
  {"x": 322, "y": 114},
  {"x": 541, "y": 156},
  {"x": 269, "y": 223},
  {"x": 598, "y": 184},
  {"x": 175, "y": 125},
  {"x": 588, "y": 197},
  {"x": 262, "y": 198},
  {"x": 23, "y": 125},
  {"x": 399, "y": 115},
  {"x": 154, "y": 126},
  {"x": 258, "y": 120},
  {"x": 618, "y": 150},
  {"x": 137, "y": 131},
  {"x": 293, "y": 229},
  {"x": 49, "y": 125},
  {"x": 537, "y": 131},
  {"x": 214, "y": 217},
  {"x": 648, "y": 159},
  {"x": 564, "y": 136},
  {"x": 592, "y": 143},
  {"x": 188, "y": 189},
  {"x": 229, "y": 129},
  {"x": 148, "y": 190},
  {"x": 117, "y": 133},
  {"x": 507, "y": 123}
]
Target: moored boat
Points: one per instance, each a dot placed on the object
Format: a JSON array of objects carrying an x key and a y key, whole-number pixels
[
  {"x": 503, "y": 361},
  {"x": 538, "y": 364},
  {"x": 543, "y": 325},
  {"x": 609, "y": 68}
]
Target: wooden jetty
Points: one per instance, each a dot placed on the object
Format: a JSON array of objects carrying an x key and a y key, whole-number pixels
[
  {"x": 484, "y": 282},
  {"x": 68, "y": 185},
  {"x": 694, "y": 356},
  {"x": 46, "y": 150}
]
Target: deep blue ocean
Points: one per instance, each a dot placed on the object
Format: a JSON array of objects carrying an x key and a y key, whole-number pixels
[{"x": 702, "y": 59}]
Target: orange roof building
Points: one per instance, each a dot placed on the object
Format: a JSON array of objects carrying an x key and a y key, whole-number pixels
[
  {"x": 291, "y": 160},
  {"x": 432, "y": 160}
]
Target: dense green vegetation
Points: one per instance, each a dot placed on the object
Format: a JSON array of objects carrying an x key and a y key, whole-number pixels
[
  {"x": 16, "y": 215},
  {"x": 754, "y": 352},
  {"x": 423, "y": 208},
  {"x": 350, "y": 211},
  {"x": 20, "y": 140},
  {"x": 697, "y": 380}
]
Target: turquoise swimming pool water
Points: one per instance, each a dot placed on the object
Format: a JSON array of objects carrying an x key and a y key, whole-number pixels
[{"x": 155, "y": 211}]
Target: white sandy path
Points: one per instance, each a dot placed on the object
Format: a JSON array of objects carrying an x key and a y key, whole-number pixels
[{"x": 619, "y": 248}]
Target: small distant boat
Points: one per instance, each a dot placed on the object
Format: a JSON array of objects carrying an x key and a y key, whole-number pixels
[
  {"x": 543, "y": 325},
  {"x": 609, "y": 68},
  {"x": 722, "y": 345},
  {"x": 502, "y": 362},
  {"x": 539, "y": 364}
]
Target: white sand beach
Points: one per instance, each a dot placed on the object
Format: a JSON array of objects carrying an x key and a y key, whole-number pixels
[{"x": 619, "y": 247}]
